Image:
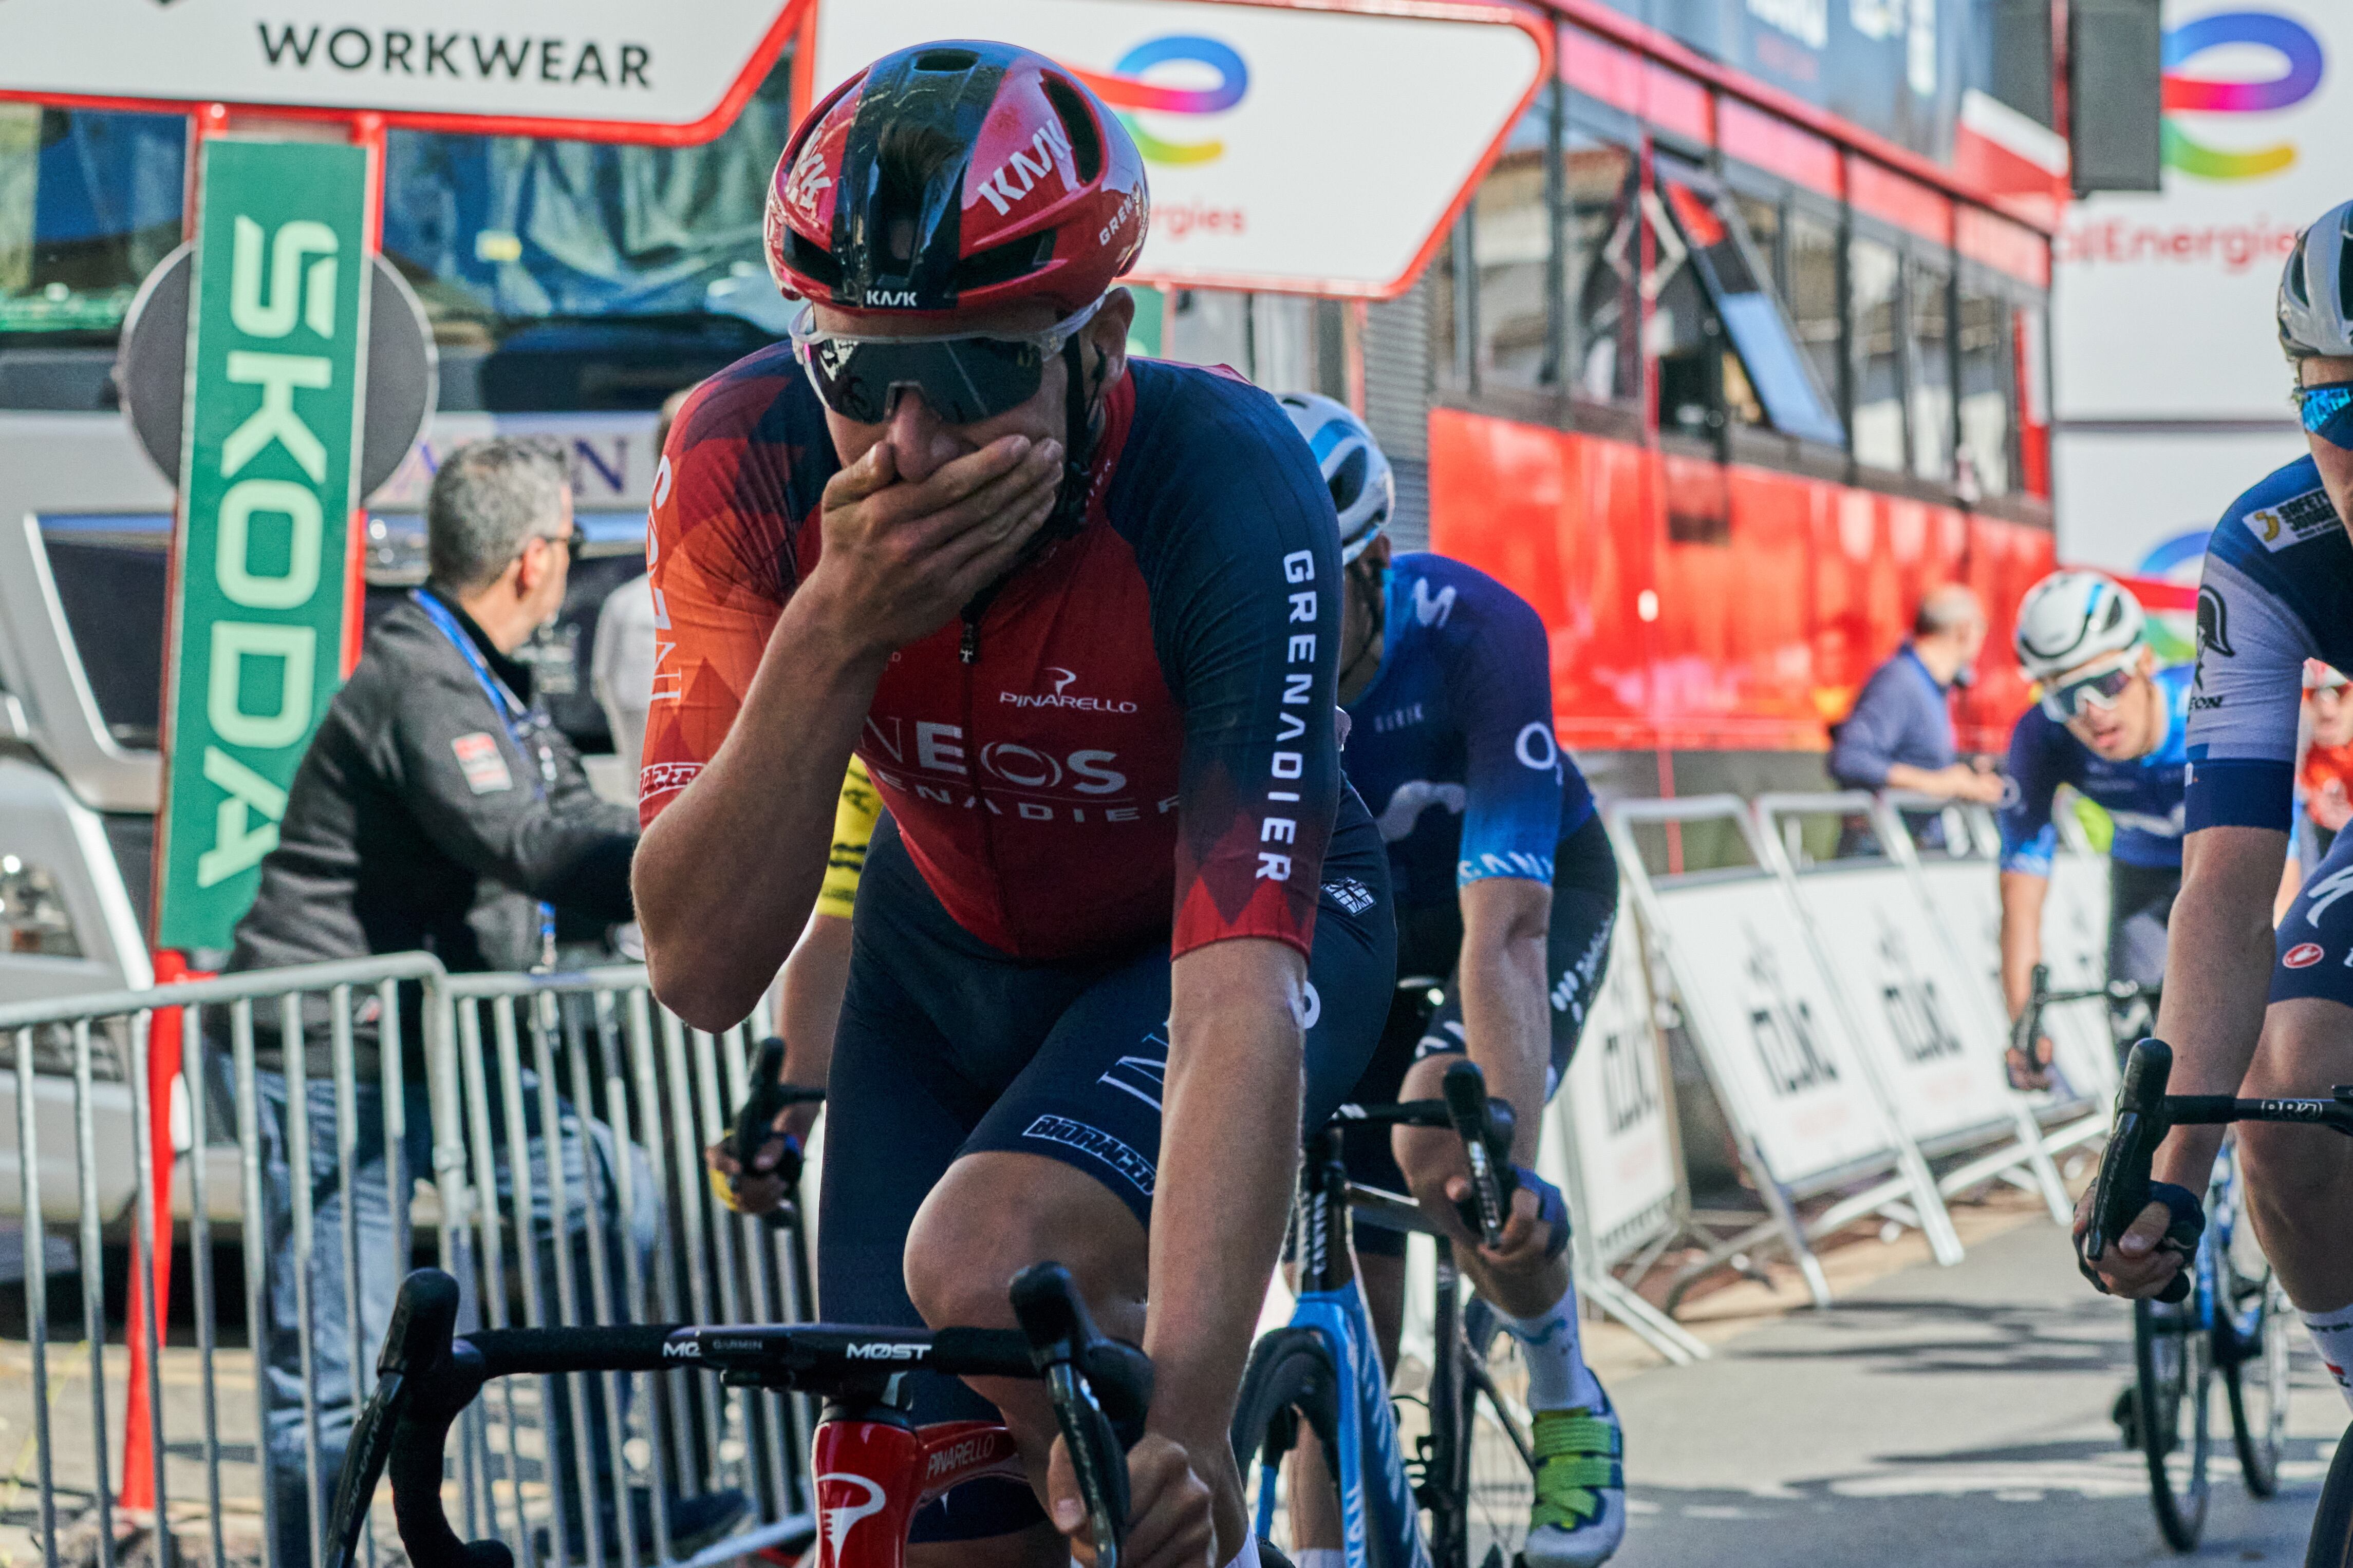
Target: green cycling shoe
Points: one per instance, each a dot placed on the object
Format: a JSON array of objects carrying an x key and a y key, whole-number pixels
[{"x": 1580, "y": 1516}]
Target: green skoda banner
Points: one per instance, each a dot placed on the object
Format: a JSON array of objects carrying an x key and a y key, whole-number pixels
[{"x": 277, "y": 353}]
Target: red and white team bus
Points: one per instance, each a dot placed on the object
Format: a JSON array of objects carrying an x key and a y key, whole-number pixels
[{"x": 1721, "y": 378}]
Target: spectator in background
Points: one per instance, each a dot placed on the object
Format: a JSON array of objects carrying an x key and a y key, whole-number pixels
[
  {"x": 437, "y": 808},
  {"x": 1899, "y": 734},
  {"x": 2323, "y": 774}
]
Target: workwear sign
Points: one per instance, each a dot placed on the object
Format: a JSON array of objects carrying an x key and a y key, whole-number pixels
[
  {"x": 276, "y": 358},
  {"x": 615, "y": 69}
]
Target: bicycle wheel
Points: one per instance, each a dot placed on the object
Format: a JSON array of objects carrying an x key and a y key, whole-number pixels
[
  {"x": 1290, "y": 1377},
  {"x": 2253, "y": 1341},
  {"x": 2174, "y": 1356},
  {"x": 2332, "y": 1523},
  {"x": 1500, "y": 1484}
]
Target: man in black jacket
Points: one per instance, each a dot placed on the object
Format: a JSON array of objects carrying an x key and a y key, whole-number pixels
[{"x": 437, "y": 809}]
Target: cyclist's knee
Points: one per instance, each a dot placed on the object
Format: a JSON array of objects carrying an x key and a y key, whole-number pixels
[
  {"x": 2307, "y": 1050},
  {"x": 994, "y": 1214}
]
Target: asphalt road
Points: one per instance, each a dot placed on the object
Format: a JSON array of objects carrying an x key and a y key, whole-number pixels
[{"x": 1937, "y": 1416}]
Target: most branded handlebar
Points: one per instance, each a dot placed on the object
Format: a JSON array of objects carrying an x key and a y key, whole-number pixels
[
  {"x": 2145, "y": 1113},
  {"x": 427, "y": 1374}
]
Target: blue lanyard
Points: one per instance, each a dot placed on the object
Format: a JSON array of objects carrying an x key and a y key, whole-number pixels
[{"x": 511, "y": 711}]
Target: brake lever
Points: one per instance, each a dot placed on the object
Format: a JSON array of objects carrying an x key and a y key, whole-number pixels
[
  {"x": 2121, "y": 1192},
  {"x": 1476, "y": 1119},
  {"x": 1074, "y": 1357}
]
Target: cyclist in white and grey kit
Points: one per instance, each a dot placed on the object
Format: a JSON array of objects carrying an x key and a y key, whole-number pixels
[{"x": 2249, "y": 1011}]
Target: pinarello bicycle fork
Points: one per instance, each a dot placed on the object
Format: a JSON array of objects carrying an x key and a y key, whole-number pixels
[{"x": 874, "y": 1468}]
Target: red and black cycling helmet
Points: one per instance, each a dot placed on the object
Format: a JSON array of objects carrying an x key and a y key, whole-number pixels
[{"x": 956, "y": 176}]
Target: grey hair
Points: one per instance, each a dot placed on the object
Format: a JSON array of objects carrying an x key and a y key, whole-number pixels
[
  {"x": 487, "y": 498},
  {"x": 1945, "y": 609}
]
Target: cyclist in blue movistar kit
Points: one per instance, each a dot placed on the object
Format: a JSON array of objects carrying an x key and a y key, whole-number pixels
[
  {"x": 1504, "y": 887},
  {"x": 2115, "y": 727},
  {"x": 2278, "y": 589}
]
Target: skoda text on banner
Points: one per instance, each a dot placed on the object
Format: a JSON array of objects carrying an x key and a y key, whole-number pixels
[{"x": 275, "y": 361}]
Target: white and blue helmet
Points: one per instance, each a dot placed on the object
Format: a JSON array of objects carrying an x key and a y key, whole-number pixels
[
  {"x": 1364, "y": 491},
  {"x": 2071, "y": 618}
]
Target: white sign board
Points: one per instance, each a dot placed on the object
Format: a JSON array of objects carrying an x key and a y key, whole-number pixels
[
  {"x": 2075, "y": 946},
  {"x": 1616, "y": 1151},
  {"x": 616, "y": 62},
  {"x": 1942, "y": 1065},
  {"x": 1763, "y": 1016},
  {"x": 1319, "y": 150},
  {"x": 2163, "y": 302}
]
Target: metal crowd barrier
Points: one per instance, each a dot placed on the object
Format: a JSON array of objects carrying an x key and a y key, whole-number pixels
[{"x": 607, "y": 1219}]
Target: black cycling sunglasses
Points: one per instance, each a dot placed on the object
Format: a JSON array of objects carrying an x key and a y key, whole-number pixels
[{"x": 966, "y": 378}]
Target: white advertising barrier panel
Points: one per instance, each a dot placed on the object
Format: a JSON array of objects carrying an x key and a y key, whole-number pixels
[
  {"x": 2075, "y": 946},
  {"x": 1770, "y": 1026},
  {"x": 619, "y": 62},
  {"x": 1319, "y": 150},
  {"x": 1905, "y": 995},
  {"x": 1617, "y": 1151}
]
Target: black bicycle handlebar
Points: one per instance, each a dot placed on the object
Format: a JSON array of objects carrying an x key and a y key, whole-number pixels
[
  {"x": 426, "y": 1375},
  {"x": 1486, "y": 1126},
  {"x": 2145, "y": 1113}
]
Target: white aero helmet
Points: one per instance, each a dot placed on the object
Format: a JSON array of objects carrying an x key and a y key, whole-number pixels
[
  {"x": 1364, "y": 491},
  {"x": 2315, "y": 291},
  {"x": 2071, "y": 618}
]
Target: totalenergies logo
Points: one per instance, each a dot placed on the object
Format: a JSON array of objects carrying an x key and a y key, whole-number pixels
[
  {"x": 2291, "y": 41},
  {"x": 1126, "y": 90}
]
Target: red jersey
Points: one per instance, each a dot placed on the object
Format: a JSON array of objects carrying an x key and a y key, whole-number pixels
[{"x": 1142, "y": 745}]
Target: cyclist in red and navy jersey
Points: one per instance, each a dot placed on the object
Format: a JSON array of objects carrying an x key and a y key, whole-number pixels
[{"x": 1124, "y": 927}]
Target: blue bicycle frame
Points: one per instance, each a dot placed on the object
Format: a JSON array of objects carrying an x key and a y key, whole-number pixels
[{"x": 1367, "y": 1432}]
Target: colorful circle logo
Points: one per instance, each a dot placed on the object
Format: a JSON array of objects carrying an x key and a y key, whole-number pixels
[
  {"x": 1125, "y": 89},
  {"x": 2202, "y": 95}
]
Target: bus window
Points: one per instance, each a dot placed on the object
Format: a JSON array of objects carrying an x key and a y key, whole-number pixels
[
  {"x": 1874, "y": 274},
  {"x": 1682, "y": 333},
  {"x": 1932, "y": 371},
  {"x": 1510, "y": 239},
  {"x": 1988, "y": 383},
  {"x": 1604, "y": 245},
  {"x": 499, "y": 231},
  {"x": 90, "y": 202},
  {"x": 1766, "y": 381},
  {"x": 1810, "y": 288}
]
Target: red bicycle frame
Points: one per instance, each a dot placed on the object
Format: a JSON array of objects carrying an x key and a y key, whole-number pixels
[{"x": 871, "y": 1477}]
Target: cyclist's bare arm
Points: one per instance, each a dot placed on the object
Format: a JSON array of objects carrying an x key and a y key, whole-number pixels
[
  {"x": 1507, "y": 1026},
  {"x": 2023, "y": 896},
  {"x": 1228, "y": 1146},
  {"x": 1505, "y": 1016},
  {"x": 2218, "y": 973},
  {"x": 749, "y": 834}
]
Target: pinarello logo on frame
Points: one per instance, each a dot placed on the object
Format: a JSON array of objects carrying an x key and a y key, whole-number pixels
[
  {"x": 2299, "y": 54},
  {"x": 1124, "y": 87}
]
